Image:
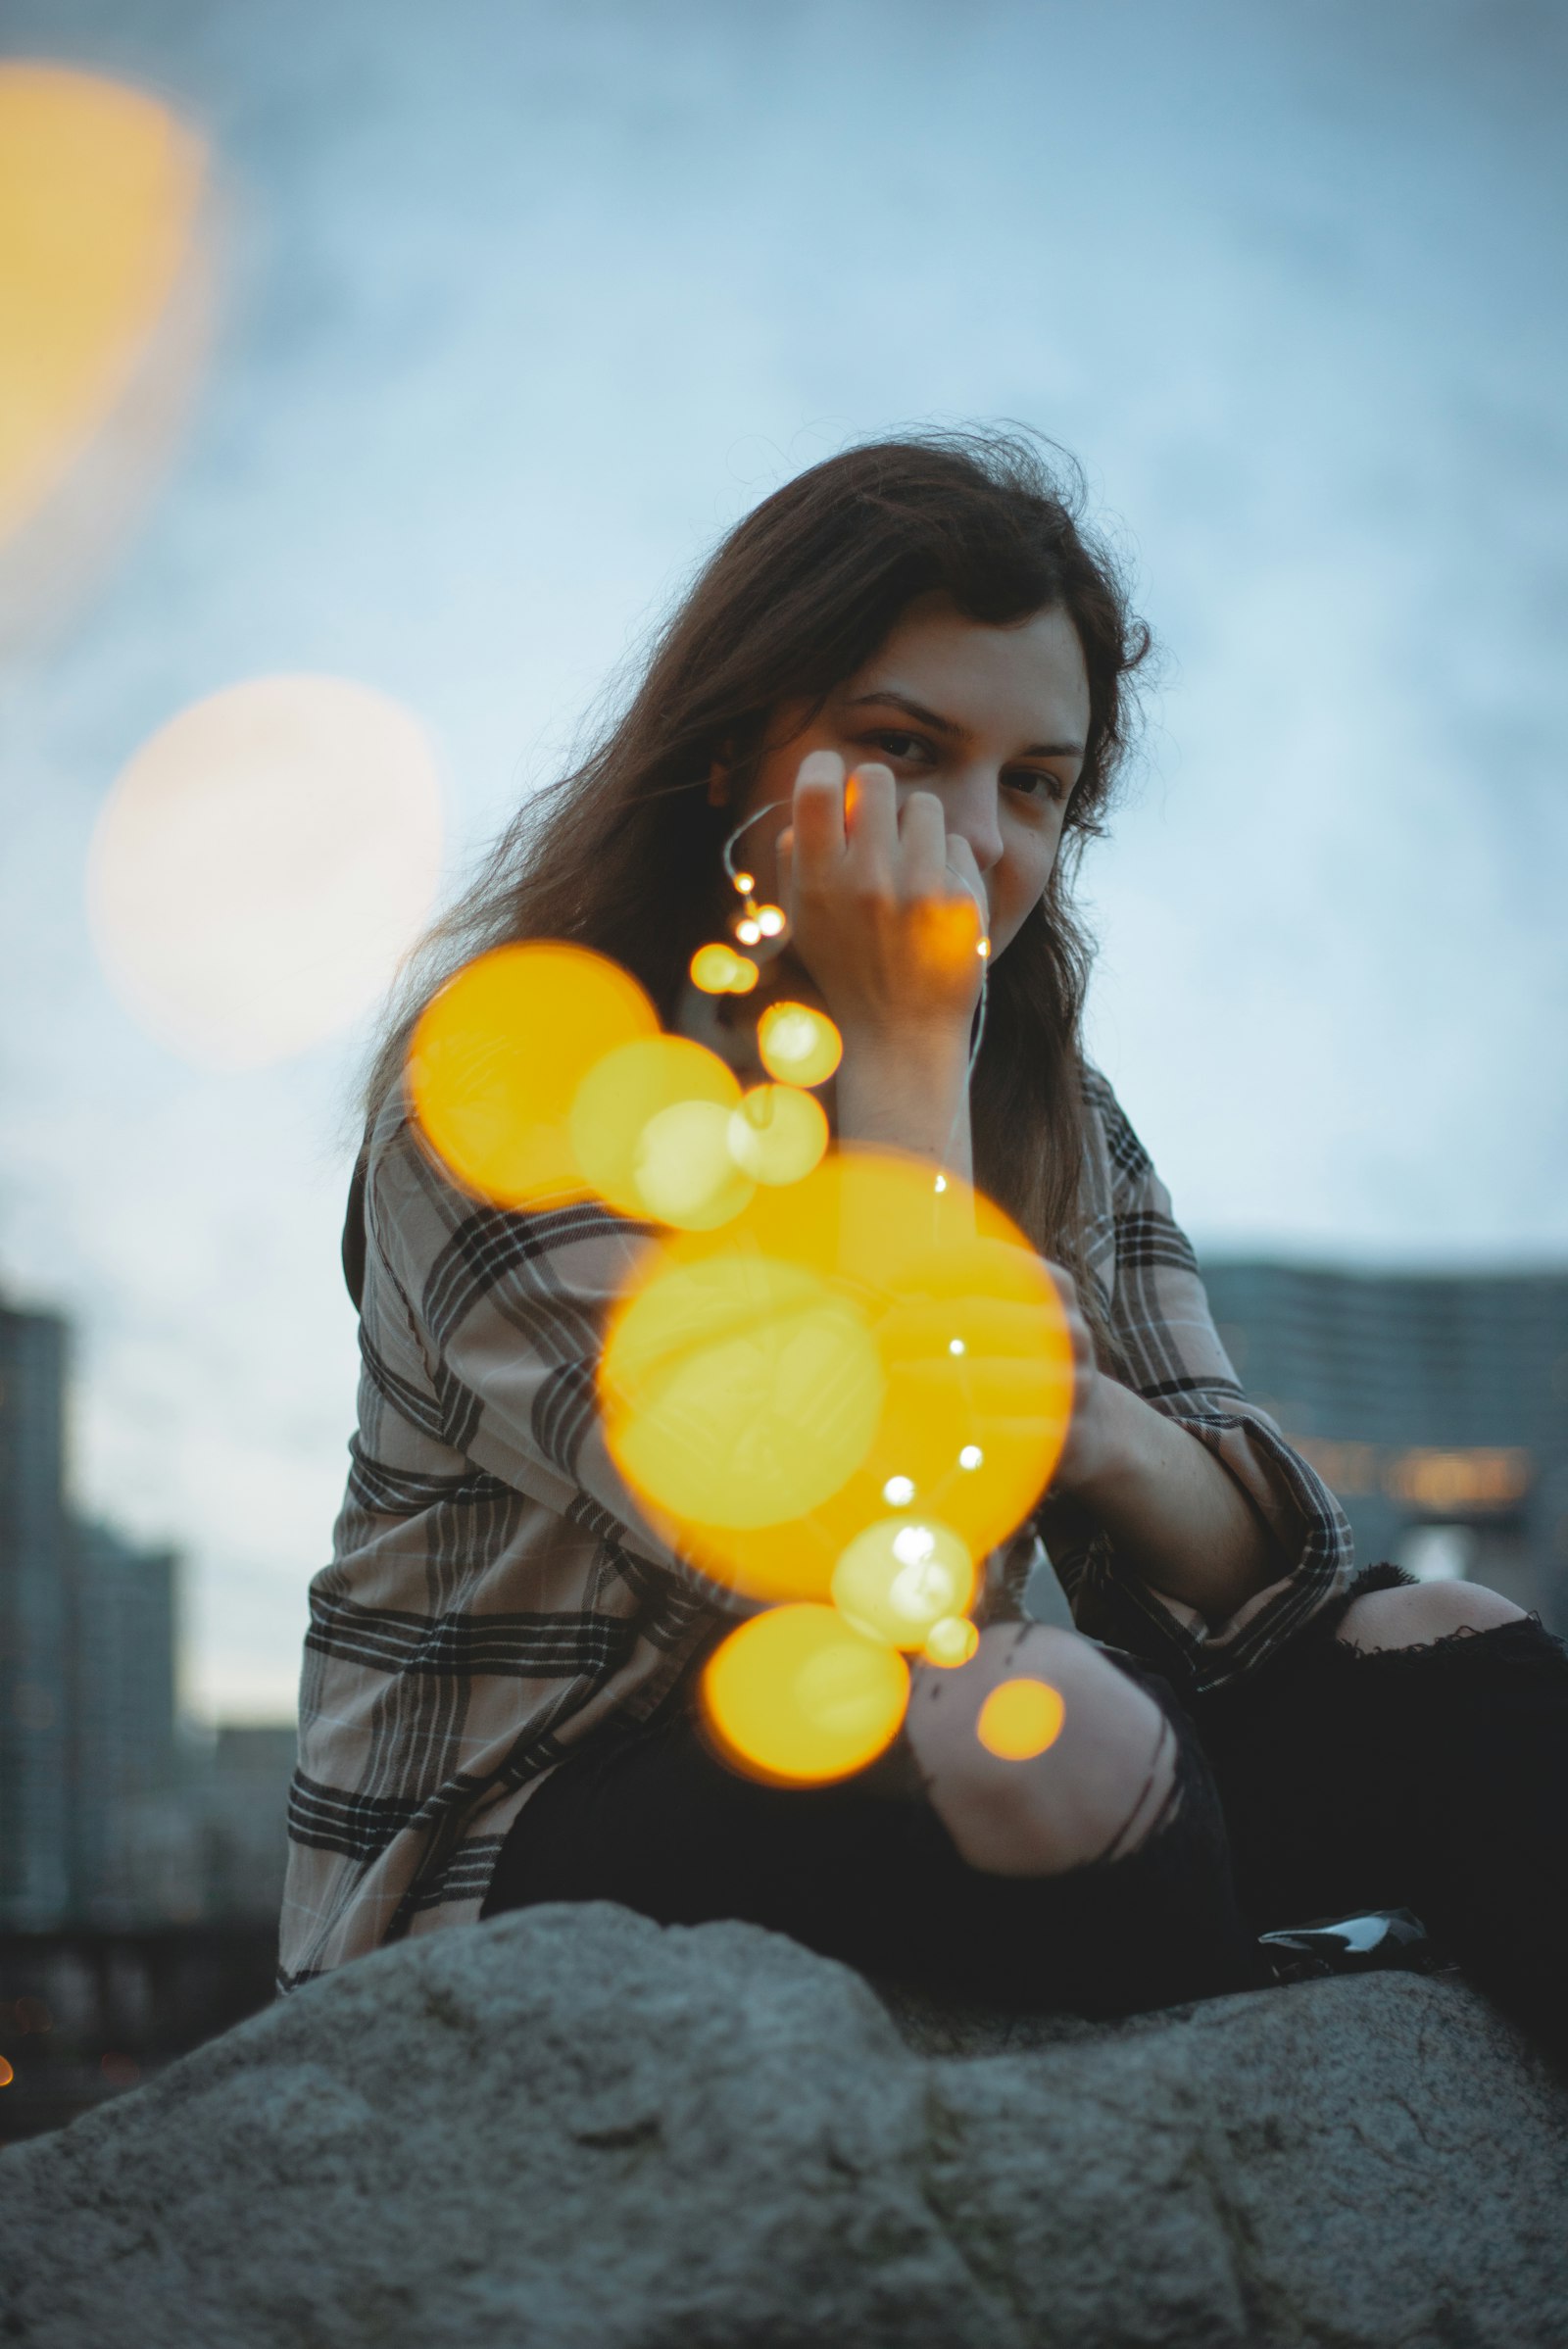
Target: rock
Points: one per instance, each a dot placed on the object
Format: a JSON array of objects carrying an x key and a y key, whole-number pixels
[{"x": 572, "y": 2129}]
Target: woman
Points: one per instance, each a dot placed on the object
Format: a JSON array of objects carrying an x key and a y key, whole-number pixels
[{"x": 907, "y": 674}]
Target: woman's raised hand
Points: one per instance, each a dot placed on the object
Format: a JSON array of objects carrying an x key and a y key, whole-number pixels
[{"x": 887, "y": 907}]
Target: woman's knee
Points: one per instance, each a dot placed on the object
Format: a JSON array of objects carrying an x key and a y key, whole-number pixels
[
  {"x": 1094, "y": 1790},
  {"x": 1417, "y": 1613}
]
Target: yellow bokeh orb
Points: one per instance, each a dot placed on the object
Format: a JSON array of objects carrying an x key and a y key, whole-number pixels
[
  {"x": 901, "y": 1576},
  {"x": 739, "y": 1392},
  {"x": 778, "y": 1133},
  {"x": 951, "y": 1643},
  {"x": 99, "y": 189},
  {"x": 497, "y": 1059},
  {"x": 719, "y": 970},
  {"x": 682, "y": 1169},
  {"x": 1020, "y": 1717},
  {"x": 974, "y": 1437},
  {"x": 797, "y": 1044},
  {"x": 979, "y": 1365},
  {"x": 685, "y": 1161},
  {"x": 796, "y": 1698}
]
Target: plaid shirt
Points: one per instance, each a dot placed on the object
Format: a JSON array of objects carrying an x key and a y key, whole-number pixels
[{"x": 494, "y": 1600}]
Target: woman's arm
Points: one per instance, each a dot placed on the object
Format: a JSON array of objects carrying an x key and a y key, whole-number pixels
[
  {"x": 1179, "y": 1519},
  {"x": 909, "y": 1094}
]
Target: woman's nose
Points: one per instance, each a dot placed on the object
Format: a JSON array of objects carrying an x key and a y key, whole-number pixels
[{"x": 971, "y": 804}]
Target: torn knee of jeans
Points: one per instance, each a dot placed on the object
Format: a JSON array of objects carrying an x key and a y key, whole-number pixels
[
  {"x": 1523, "y": 1644},
  {"x": 1154, "y": 1810}
]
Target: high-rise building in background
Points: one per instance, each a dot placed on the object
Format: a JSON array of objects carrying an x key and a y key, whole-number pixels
[
  {"x": 244, "y": 1818},
  {"x": 1435, "y": 1404},
  {"x": 112, "y": 1815},
  {"x": 34, "y": 1623},
  {"x": 124, "y": 1757}
]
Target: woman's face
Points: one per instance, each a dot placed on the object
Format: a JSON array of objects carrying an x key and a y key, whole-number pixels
[{"x": 993, "y": 720}]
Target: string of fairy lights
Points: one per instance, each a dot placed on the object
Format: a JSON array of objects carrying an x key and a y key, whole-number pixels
[
  {"x": 836, "y": 1391},
  {"x": 717, "y": 969}
]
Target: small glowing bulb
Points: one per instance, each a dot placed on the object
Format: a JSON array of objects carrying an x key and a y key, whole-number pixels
[
  {"x": 942, "y": 1182},
  {"x": 748, "y": 931},
  {"x": 770, "y": 921},
  {"x": 913, "y": 1544},
  {"x": 746, "y": 976},
  {"x": 955, "y": 1345},
  {"x": 971, "y": 1456},
  {"x": 952, "y": 1641},
  {"x": 899, "y": 1491},
  {"x": 983, "y": 949},
  {"x": 745, "y": 883}
]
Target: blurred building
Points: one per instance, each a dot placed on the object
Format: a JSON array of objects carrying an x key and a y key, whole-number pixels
[
  {"x": 125, "y": 1759},
  {"x": 34, "y": 1623},
  {"x": 244, "y": 1794},
  {"x": 1435, "y": 1404},
  {"x": 114, "y": 1816},
  {"x": 208, "y": 1847}
]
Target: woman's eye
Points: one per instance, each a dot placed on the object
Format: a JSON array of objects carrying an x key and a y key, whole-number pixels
[
  {"x": 1037, "y": 786},
  {"x": 903, "y": 746}
]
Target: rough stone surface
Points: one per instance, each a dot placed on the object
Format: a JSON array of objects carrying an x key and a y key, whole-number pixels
[{"x": 571, "y": 2129}]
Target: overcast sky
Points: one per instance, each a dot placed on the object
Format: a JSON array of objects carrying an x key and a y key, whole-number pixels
[{"x": 523, "y": 305}]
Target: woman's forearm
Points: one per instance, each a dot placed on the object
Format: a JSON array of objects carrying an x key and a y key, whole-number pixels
[
  {"x": 1173, "y": 1512},
  {"x": 907, "y": 1092}
]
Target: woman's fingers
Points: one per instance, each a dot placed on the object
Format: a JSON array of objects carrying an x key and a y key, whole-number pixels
[
  {"x": 922, "y": 845},
  {"x": 961, "y": 863},
  {"x": 880, "y": 898},
  {"x": 857, "y": 817},
  {"x": 819, "y": 812},
  {"x": 871, "y": 821}
]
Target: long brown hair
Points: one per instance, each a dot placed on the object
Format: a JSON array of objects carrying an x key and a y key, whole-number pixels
[{"x": 621, "y": 853}]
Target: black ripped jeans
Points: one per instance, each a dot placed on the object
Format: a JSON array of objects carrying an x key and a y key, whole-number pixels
[{"x": 1329, "y": 1781}]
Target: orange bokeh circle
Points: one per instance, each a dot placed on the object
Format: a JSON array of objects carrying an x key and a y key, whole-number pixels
[
  {"x": 1020, "y": 1717},
  {"x": 796, "y": 1698},
  {"x": 497, "y": 1059},
  {"x": 972, "y": 1438}
]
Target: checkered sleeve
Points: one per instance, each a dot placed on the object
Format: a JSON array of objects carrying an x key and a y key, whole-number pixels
[
  {"x": 508, "y": 1312},
  {"x": 1171, "y": 1355},
  {"x": 495, "y": 1599}
]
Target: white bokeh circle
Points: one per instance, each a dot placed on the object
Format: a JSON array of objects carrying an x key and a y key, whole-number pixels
[{"x": 261, "y": 864}]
